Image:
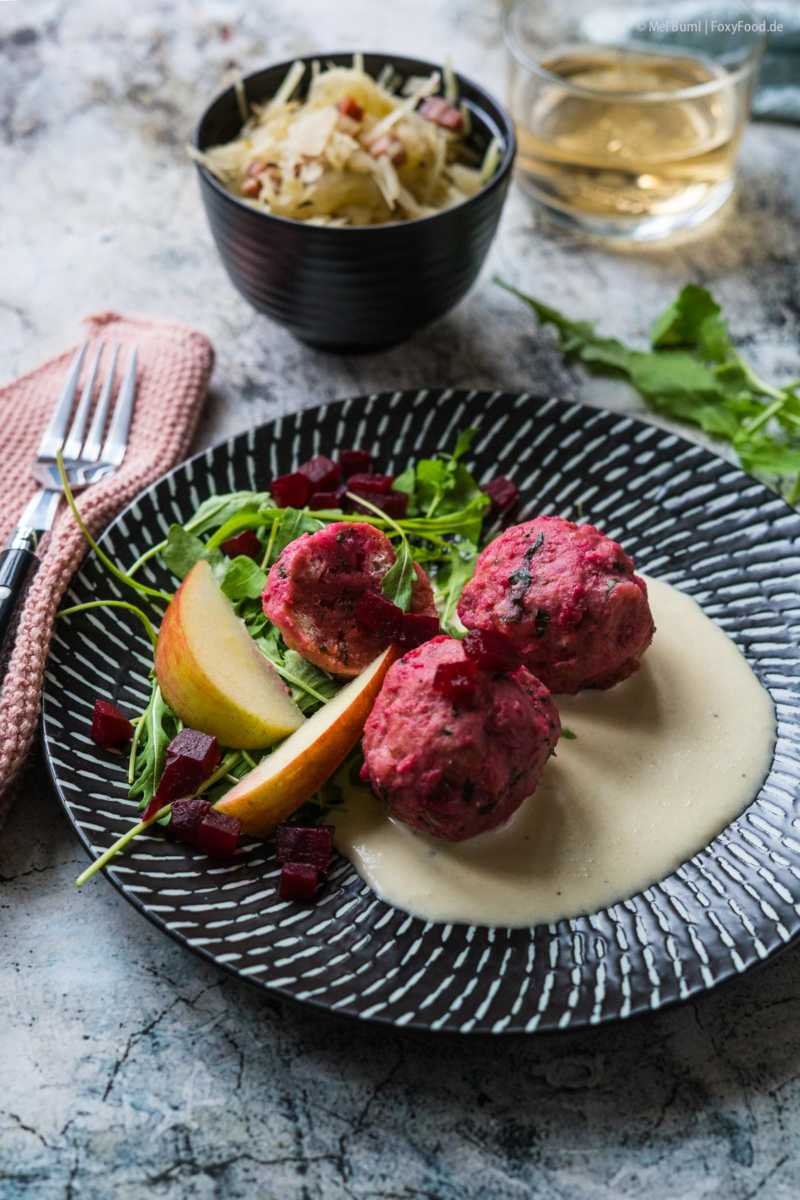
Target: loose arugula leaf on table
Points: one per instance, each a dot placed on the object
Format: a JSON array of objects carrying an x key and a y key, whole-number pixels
[
  {"x": 694, "y": 373},
  {"x": 694, "y": 319}
]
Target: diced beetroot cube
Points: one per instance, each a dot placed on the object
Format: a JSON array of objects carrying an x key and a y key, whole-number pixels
[
  {"x": 200, "y": 749},
  {"x": 504, "y": 495},
  {"x": 110, "y": 727},
  {"x": 217, "y": 834},
  {"x": 197, "y": 824},
  {"x": 291, "y": 491},
  {"x": 394, "y": 504},
  {"x": 353, "y": 461},
  {"x": 245, "y": 542},
  {"x": 491, "y": 651},
  {"x": 312, "y": 844},
  {"x": 299, "y": 881},
  {"x": 322, "y": 474},
  {"x": 322, "y": 500},
  {"x": 367, "y": 484},
  {"x": 187, "y": 812},
  {"x": 456, "y": 681},
  {"x": 416, "y": 628},
  {"x": 438, "y": 110},
  {"x": 349, "y": 107},
  {"x": 377, "y": 614},
  {"x": 191, "y": 758}
]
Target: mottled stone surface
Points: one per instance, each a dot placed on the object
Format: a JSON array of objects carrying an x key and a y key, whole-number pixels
[{"x": 130, "y": 1067}]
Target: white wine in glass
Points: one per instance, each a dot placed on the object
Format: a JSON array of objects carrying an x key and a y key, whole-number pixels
[{"x": 627, "y": 141}]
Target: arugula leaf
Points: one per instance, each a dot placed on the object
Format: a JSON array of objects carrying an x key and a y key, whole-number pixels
[
  {"x": 764, "y": 454},
  {"x": 464, "y": 442},
  {"x": 406, "y": 481},
  {"x": 448, "y": 583},
  {"x": 670, "y": 373},
  {"x": 692, "y": 319},
  {"x": 307, "y": 679},
  {"x": 236, "y": 523},
  {"x": 255, "y": 619},
  {"x": 440, "y": 485},
  {"x": 155, "y": 730},
  {"x": 182, "y": 550},
  {"x": 398, "y": 582},
  {"x": 216, "y": 510},
  {"x": 693, "y": 373},
  {"x": 243, "y": 579},
  {"x": 293, "y": 523},
  {"x": 269, "y": 641},
  {"x": 310, "y": 685}
]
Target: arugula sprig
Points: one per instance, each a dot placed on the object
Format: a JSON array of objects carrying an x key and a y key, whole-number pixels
[
  {"x": 446, "y": 509},
  {"x": 153, "y": 732},
  {"x": 693, "y": 372},
  {"x": 441, "y": 484}
]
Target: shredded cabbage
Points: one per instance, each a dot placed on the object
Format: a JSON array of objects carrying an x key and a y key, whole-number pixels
[{"x": 354, "y": 151}]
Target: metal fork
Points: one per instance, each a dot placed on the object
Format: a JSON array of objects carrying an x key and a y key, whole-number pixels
[{"x": 88, "y": 457}]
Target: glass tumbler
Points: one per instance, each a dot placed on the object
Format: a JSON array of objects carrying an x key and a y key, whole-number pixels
[{"x": 629, "y": 116}]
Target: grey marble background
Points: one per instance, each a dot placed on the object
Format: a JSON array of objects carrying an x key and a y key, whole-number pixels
[{"x": 129, "y": 1068}]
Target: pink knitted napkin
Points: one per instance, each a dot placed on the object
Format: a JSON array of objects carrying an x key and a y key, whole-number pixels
[{"x": 174, "y": 367}]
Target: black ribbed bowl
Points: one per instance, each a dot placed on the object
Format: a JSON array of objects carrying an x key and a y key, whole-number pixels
[{"x": 359, "y": 287}]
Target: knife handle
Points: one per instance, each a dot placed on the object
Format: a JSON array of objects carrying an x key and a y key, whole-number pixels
[{"x": 16, "y": 562}]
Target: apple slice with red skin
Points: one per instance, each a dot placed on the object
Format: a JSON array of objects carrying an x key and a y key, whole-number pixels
[
  {"x": 285, "y": 779},
  {"x": 213, "y": 675}
]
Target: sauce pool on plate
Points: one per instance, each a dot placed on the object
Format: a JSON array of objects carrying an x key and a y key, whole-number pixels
[{"x": 660, "y": 764}]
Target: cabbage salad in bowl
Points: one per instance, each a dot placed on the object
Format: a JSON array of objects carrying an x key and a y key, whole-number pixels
[{"x": 355, "y": 150}]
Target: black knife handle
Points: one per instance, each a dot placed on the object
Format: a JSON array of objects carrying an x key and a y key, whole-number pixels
[{"x": 15, "y": 564}]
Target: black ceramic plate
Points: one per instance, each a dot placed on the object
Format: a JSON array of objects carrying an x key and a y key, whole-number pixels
[{"x": 687, "y": 517}]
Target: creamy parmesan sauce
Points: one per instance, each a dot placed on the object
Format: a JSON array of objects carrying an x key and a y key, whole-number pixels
[{"x": 660, "y": 764}]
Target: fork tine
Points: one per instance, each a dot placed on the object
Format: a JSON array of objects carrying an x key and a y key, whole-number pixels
[
  {"x": 94, "y": 438},
  {"x": 116, "y": 442},
  {"x": 74, "y": 442},
  {"x": 53, "y": 437}
]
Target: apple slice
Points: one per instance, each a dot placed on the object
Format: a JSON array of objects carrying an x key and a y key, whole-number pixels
[
  {"x": 289, "y": 776},
  {"x": 212, "y": 673}
]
